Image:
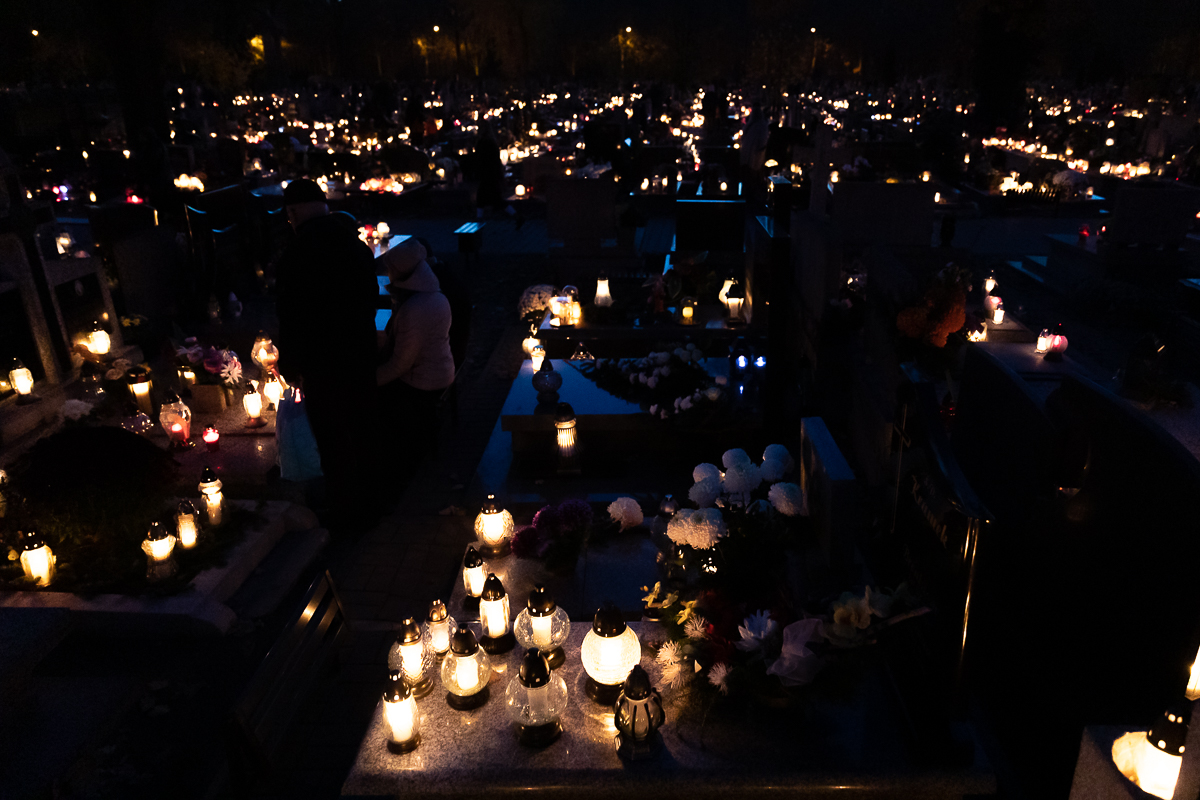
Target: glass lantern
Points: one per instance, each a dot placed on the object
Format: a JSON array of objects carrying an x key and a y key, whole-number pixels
[
  {"x": 136, "y": 421},
  {"x": 998, "y": 314},
  {"x": 98, "y": 342},
  {"x": 264, "y": 353},
  {"x": 735, "y": 301},
  {"x": 494, "y": 527},
  {"x": 536, "y": 699},
  {"x": 610, "y": 650},
  {"x": 158, "y": 546},
  {"x": 214, "y": 501},
  {"x": 466, "y": 670},
  {"x": 273, "y": 390},
  {"x": 187, "y": 524},
  {"x": 252, "y": 401},
  {"x": 494, "y": 617},
  {"x": 187, "y": 377},
  {"x": 1058, "y": 344},
  {"x": 687, "y": 310},
  {"x": 638, "y": 714},
  {"x": 438, "y": 628},
  {"x": 545, "y": 625},
  {"x": 411, "y": 655},
  {"x": 401, "y": 715},
  {"x": 989, "y": 283},
  {"x": 474, "y": 577},
  {"x": 212, "y": 439},
  {"x": 139, "y": 382},
  {"x": 37, "y": 559},
  {"x": 1043, "y": 341},
  {"x": 603, "y": 295},
  {"x": 547, "y": 382},
  {"x": 565, "y": 434},
  {"x": 536, "y": 356},
  {"x": 582, "y": 353},
  {"x": 21, "y": 381},
  {"x": 1152, "y": 759},
  {"x": 176, "y": 420}
]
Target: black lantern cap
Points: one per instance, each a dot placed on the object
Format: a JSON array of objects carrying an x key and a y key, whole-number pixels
[
  {"x": 137, "y": 375},
  {"x": 1169, "y": 733},
  {"x": 207, "y": 475},
  {"x": 187, "y": 507},
  {"x": 437, "y": 611},
  {"x": 410, "y": 631},
  {"x": 472, "y": 559},
  {"x": 397, "y": 689},
  {"x": 463, "y": 643},
  {"x": 493, "y": 589},
  {"x": 15, "y": 364},
  {"x": 546, "y": 366},
  {"x": 736, "y": 291},
  {"x": 540, "y": 603},
  {"x": 489, "y": 505},
  {"x": 535, "y": 671},
  {"x": 637, "y": 685},
  {"x": 170, "y": 397},
  {"x": 157, "y": 532},
  {"x": 564, "y": 413},
  {"x": 32, "y": 540},
  {"x": 608, "y": 621}
]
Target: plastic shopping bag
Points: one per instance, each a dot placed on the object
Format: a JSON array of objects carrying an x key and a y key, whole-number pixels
[{"x": 299, "y": 459}]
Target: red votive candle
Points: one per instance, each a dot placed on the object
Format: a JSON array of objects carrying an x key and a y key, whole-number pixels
[{"x": 212, "y": 439}]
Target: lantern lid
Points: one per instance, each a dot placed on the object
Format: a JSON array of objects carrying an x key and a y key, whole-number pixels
[
  {"x": 15, "y": 364},
  {"x": 157, "y": 532},
  {"x": 187, "y": 507},
  {"x": 535, "y": 670},
  {"x": 736, "y": 291},
  {"x": 207, "y": 475},
  {"x": 489, "y": 505},
  {"x": 250, "y": 389},
  {"x": 1169, "y": 733},
  {"x": 669, "y": 504},
  {"x": 472, "y": 559},
  {"x": 397, "y": 689},
  {"x": 462, "y": 642},
  {"x": 546, "y": 366},
  {"x": 410, "y": 631},
  {"x": 608, "y": 621},
  {"x": 437, "y": 611},
  {"x": 541, "y": 603},
  {"x": 137, "y": 375},
  {"x": 637, "y": 685},
  {"x": 32, "y": 540},
  {"x": 564, "y": 413},
  {"x": 493, "y": 589}
]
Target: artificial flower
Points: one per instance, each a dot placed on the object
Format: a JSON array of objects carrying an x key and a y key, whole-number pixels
[
  {"x": 575, "y": 515},
  {"x": 734, "y": 457},
  {"x": 626, "y": 512},
  {"x": 851, "y": 611},
  {"x": 674, "y": 675},
  {"x": 797, "y": 665},
  {"x": 231, "y": 374},
  {"x": 788, "y": 499},
  {"x": 773, "y": 471},
  {"x": 756, "y": 629},
  {"x": 668, "y": 653},
  {"x": 706, "y": 492},
  {"x": 718, "y": 676},
  {"x": 696, "y": 627},
  {"x": 777, "y": 452},
  {"x": 652, "y": 382},
  {"x": 741, "y": 479},
  {"x": 525, "y": 542},
  {"x": 703, "y": 471},
  {"x": 547, "y": 521}
]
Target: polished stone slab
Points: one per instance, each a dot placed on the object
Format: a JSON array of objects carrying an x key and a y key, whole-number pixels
[{"x": 851, "y": 747}]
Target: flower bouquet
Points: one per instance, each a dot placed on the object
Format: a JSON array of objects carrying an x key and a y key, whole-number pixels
[
  {"x": 558, "y": 534},
  {"x": 216, "y": 370},
  {"x": 670, "y": 384}
]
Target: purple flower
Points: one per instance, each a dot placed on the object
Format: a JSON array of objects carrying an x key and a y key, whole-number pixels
[
  {"x": 525, "y": 542},
  {"x": 547, "y": 521},
  {"x": 576, "y": 515}
]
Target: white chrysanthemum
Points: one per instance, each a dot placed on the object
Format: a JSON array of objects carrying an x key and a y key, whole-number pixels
[
  {"x": 75, "y": 409},
  {"x": 668, "y": 654},
  {"x": 735, "y": 457},
  {"x": 777, "y": 452},
  {"x": 696, "y": 627},
  {"x": 741, "y": 480},
  {"x": 718, "y": 676},
  {"x": 679, "y": 529},
  {"x": 627, "y": 512},
  {"x": 661, "y": 358},
  {"x": 231, "y": 373},
  {"x": 705, "y": 528},
  {"x": 773, "y": 471},
  {"x": 788, "y": 499},
  {"x": 652, "y": 382},
  {"x": 703, "y": 471},
  {"x": 674, "y": 675},
  {"x": 706, "y": 492}
]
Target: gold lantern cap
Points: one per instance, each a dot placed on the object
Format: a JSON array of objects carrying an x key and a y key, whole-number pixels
[
  {"x": 397, "y": 689},
  {"x": 437, "y": 611},
  {"x": 410, "y": 631}
]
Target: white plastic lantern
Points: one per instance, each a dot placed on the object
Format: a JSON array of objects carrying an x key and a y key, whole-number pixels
[
  {"x": 998, "y": 314},
  {"x": 176, "y": 420},
  {"x": 989, "y": 284},
  {"x": 610, "y": 650},
  {"x": 538, "y": 355},
  {"x": 536, "y": 699},
  {"x": 214, "y": 501},
  {"x": 474, "y": 576},
  {"x": 98, "y": 341},
  {"x": 186, "y": 524},
  {"x": 37, "y": 559},
  {"x": 411, "y": 655},
  {"x": 1043, "y": 341},
  {"x": 438, "y": 628},
  {"x": 735, "y": 301},
  {"x": 400, "y": 714},
  {"x": 494, "y": 617},
  {"x": 158, "y": 546},
  {"x": 494, "y": 527},
  {"x": 466, "y": 671},
  {"x": 21, "y": 380},
  {"x": 603, "y": 295},
  {"x": 1151, "y": 759},
  {"x": 139, "y": 382},
  {"x": 520, "y": 190},
  {"x": 564, "y": 426},
  {"x": 252, "y": 402},
  {"x": 273, "y": 390},
  {"x": 545, "y": 625},
  {"x": 637, "y": 715}
]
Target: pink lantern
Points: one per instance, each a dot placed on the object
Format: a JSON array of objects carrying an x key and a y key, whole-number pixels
[{"x": 1058, "y": 344}]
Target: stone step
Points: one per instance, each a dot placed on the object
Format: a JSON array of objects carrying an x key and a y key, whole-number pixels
[{"x": 278, "y": 573}]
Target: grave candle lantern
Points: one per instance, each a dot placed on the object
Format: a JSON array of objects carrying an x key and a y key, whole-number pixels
[
  {"x": 98, "y": 340},
  {"x": 564, "y": 427},
  {"x": 1058, "y": 344},
  {"x": 187, "y": 377},
  {"x": 21, "y": 381},
  {"x": 473, "y": 578},
  {"x": 158, "y": 546},
  {"x": 64, "y": 242},
  {"x": 989, "y": 284},
  {"x": 466, "y": 671},
  {"x": 400, "y": 713},
  {"x": 1043, "y": 340},
  {"x": 530, "y": 341},
  {"x": 610, "y": 650},
  {"x": 1151, "y": 759},
  {"x": 638, "y": 714},
  {"x": 186, "y": 524},
  {"x": 212, "y": 439},
  {"x": 264, "y": 353},
  {"x": 252, "y": 402},
  {"x": 536, "y": 699},
  {"x": 139, "y": 382},
  {"x": 438, "y": 628},
  {"x": 998, "y": 314},
  {"x": 214, "y": 501},
  {"x": 37, "y": 559},
  {"x": 603, "y": 295},
  {"x": 735, "y": 299},
  {"x": 176, "y": 420},
  {"x": 494, "y": 527},
  {"x": 273, "y": 390},
  {"x": 687, "y": 311},
  {"x": 1193, "y": 684},
  {"x": 412, "y": 657},
  {"x": 494, "y": 617},
  {"x": 538, "y": 355},
  {"x": 545, "y": 625}
]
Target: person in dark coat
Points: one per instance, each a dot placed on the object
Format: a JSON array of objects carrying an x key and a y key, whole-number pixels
[{"x": 326, "y": 305}]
